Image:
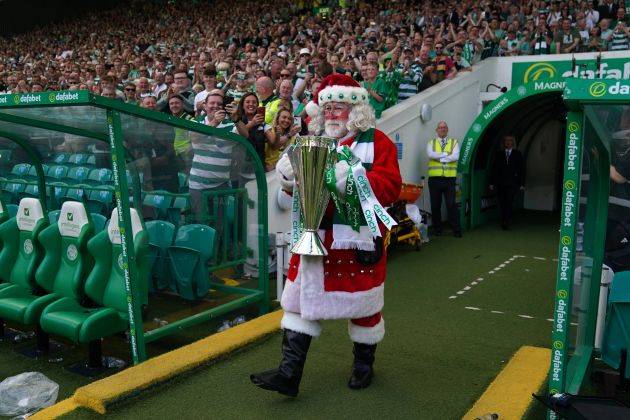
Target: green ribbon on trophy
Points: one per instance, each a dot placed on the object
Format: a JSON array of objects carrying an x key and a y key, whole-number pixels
[{"x": 359, "y": 197}]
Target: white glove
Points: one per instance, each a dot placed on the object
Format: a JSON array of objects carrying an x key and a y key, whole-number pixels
[
  {"x": 285, "y": 174},
  {"x": 341, "y": 175},
  {"x": 444, "y": 154},
  {"x": 444, "y": 160}
]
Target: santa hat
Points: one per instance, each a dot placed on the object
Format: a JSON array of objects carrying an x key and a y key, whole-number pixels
[{"x": 337, "y": 88}]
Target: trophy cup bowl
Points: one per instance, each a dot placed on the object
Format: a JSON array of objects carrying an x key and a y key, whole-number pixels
[{"x": 310, "y": 156}]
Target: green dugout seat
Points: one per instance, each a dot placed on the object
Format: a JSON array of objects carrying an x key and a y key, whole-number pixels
[
  {"x": 161, "y": 236},
  {"x": 60, "y": 274},
  {"x": 91, "y": 161},
  {"x": 156, "y": 204},
  {"x": 20, "y": 171},
  {"x": 78, "y": 159},
  {"x": 31, "y": 190},
  {"x": 78, "y": 175},
  {"x": 5, "y": 157},
  {"x": 100, "y": 222},
  {"x": 100, "y": 176},
  {"x": 12, "y": 189},
  {"x": 616, "y": 340},
  {"x": 57, "y": 172},
  {"x": 101, "y": 200},
  {"x": 12, "y": 209},
  {"x": 21, "y": 251},
  {"x": 104, "y": 286},
  {"x": 183, "y": 182},
  {"x": 193, "y": 247}
]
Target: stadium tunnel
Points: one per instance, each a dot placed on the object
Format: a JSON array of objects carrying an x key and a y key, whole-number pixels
[{"x": 538, "y": 120}]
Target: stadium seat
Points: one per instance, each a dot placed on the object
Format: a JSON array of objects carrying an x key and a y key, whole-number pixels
[
  {"x": 30, "y": 190},
  {"x": 100, "y": 221},
  {"x": 78, "y": 175},
  {"x": 194, "y": 246},
  {"x": 183, "y": 182},
  {"x": 21, "y": 252},
  {"x": 61, "y": 158},
  {"x": 20, "y": 170},
  {"x": 5, "y": 157},
  {"x": 157, "y": 202},
  {"x": 101, "y": 200},
  {"x": 59, "y": 190},
  {"x": 32, "y": 172},
  {"x": 60, "y": 274},
  {"x": 57, "y": 172},
  {"x": 100, "y": 176},
  {"x": 75, "y": 193},
  {"x": 180, "y": 206},
  {"x": 161, "y": 236},
  {"x": 78, "y": 159},
  {"x": 91, "y": 161},
  {"x": 105, "y": 286},
  {"x": 53, "y": 216},
  {"x": 12, "y": 189}
]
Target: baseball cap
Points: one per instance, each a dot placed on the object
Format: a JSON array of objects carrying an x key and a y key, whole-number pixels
[{"x": 305, "y": 51}]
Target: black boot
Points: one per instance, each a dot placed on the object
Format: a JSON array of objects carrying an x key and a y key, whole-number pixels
[
  {"x": 362, "y": 371},
  {"x": 286, "y": 379}
]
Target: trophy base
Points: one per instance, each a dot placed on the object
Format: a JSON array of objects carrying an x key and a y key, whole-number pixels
[{"x": 309, "y": 244}]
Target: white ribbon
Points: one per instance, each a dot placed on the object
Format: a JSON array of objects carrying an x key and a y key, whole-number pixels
[{"x": 296, "y": 221}]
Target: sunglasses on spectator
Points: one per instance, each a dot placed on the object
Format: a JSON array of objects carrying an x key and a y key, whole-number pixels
[{"x": 130, "y": 90}]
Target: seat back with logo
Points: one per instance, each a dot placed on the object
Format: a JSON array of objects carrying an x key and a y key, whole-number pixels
[
  {"x": 66, "y": 260},
  {"x": 105, "y": 284},
  {"x": 21, "y": 252}
]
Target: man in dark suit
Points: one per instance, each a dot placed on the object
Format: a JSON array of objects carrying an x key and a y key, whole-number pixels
[
  {"x": 607, "y": 9},
  {"x": 507, "y": 178}
]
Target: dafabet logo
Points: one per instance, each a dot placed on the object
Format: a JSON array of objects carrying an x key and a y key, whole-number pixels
[
  {"x": 539, "y": 70},
  {"x": 597, "y": 89}
]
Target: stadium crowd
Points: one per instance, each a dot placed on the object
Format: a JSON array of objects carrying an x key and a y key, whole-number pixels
[{"x": 176, "y": 56}]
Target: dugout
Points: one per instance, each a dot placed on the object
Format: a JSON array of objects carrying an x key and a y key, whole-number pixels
[
  {"x": 535, "y": 114},
  {"x": 101, "y": 233}
]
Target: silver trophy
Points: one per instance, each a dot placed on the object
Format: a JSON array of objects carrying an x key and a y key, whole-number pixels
[{"x": 310, "y": 157}]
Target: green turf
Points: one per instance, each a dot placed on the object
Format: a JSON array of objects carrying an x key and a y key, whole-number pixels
[{"x": 437, "y": 357}]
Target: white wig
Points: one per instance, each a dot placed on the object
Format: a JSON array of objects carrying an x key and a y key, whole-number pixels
[{"x": 361, "y": 118}]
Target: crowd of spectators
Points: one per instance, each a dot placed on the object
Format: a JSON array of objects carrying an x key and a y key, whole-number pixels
[{"x": 177, "y": 56}]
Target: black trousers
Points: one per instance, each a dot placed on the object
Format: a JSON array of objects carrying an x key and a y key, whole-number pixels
[
  {"x": 505, "y": 197},
  {"x": 438, "y": 186}
]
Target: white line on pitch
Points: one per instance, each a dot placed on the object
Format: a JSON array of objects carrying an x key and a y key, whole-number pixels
[
  {"x": 472, "y": 308},
  {"x": 497, "y": 312},
  {"x": 452, "y": 297},
  {"x": 526, "y": 316},
  {"x": 540, "y": 258}
]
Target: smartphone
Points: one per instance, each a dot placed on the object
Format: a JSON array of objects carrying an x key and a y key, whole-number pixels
[
  {"x": 227, "y": 100},
  {"x": 311, "y": 68},
  {"x": 261, "y": 111},
  {"x": 297, "y": 121}
]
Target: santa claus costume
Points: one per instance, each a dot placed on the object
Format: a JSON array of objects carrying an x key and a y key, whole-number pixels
[{"x": 348, "y": 283}]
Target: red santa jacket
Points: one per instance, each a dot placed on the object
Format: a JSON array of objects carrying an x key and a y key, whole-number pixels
[{"x": 337, "y": 285}]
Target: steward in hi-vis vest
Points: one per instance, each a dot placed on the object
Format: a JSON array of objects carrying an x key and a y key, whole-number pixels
[{"x": 443, "y": 153}]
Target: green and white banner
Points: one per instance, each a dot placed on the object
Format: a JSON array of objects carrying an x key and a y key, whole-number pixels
[
  {"x": 566, "y": 252},
  {"x": 44, "y": 98},
  {"x": 544, "y": 71}
]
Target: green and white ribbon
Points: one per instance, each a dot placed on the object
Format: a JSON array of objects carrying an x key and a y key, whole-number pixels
[
  {"x": 358, "y": 195},
  {"x": 297, "y": 225}
]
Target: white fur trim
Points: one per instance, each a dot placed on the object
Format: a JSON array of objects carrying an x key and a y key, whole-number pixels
[
  {"x": 344, "y": 237},
  {"x": 72, "y": 218},
  {"x": 29, "y": 213},
  {"x": 364, "y": 151},
  {"x": 294, "y": 322},
  {"x": 312, "y": 109},
  {"x": 285, "y": 200},
  {"x": 366, "y": 335},
  {"x": 306, "y": 295},
  {"x": 347, "y": 94}
]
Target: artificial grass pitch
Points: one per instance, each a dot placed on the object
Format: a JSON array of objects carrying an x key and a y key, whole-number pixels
[{"x": 437, "y": 357}]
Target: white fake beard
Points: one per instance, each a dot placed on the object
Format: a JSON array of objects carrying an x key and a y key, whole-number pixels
[{"x": 335, "y": 129}]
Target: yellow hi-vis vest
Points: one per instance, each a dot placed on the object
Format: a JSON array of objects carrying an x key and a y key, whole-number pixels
[{"x": 437, "y": 168}]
